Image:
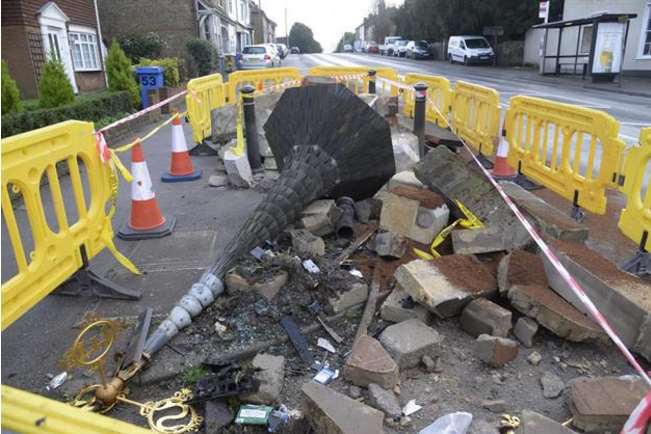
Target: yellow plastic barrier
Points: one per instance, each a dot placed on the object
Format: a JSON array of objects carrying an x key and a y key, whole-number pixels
[
  {"x": 260, "y": 78},
  {"x": 26, "y": 159},
  {"x": 476, "y": 116},
  {"x": 547, "y": 140},
  {"x": 361, "y": 85},
  {"x": 204, "y": 95},
  {"x": 635, "y": 219},
  {"x": 438, "y": 91},
  {"x": 27, "y": 413}
]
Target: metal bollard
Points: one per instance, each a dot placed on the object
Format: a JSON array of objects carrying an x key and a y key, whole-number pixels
[
  {"x": 251, "y": 128},
  {"x": 420, "y": 100},
  {"x": 371, "y": 81}
]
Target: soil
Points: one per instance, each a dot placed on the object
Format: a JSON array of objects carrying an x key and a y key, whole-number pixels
[
  {"x": 426, "y": 198},
  {"x": 466, "y": 272},
  {"x": 526, "y": 269}
]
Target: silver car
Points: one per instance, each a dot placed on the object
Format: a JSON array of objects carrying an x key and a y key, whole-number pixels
[{"x": 258, "y": 56}]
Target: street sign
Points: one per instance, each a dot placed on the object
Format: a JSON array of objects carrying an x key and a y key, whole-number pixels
[
  {"x": 543, "y": 10},
  {"x": 494, "y": 31}
]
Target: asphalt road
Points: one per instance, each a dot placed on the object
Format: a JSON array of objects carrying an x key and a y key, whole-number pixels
[{"x": 632, "y": 111}]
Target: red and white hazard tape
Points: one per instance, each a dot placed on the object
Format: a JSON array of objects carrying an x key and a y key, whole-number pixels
[
  {"x": 142, "y": 112},
  {"x": 640, "y": 418},
  {"x": 560, "y": 268}
]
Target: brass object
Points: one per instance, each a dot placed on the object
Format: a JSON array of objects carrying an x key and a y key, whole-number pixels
[{"x": 508, "y": 424}]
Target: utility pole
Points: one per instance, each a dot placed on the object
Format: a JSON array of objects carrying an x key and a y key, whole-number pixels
[{"x": 287, "y": 34}]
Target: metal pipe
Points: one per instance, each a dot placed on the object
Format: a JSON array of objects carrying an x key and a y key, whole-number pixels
[
  {"x": 251, "y": 128},
  {"x": 420, "y": 100}
]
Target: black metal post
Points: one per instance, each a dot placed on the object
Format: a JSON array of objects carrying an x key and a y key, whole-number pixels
[
  {"x": 250, "y": 128},
  {"x": 420, "y": 101},
  {"x": 371, "y": 81}
]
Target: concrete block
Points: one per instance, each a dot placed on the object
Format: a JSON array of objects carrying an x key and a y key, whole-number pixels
[
  {"x": 623, "y": 299},
  {"x": 409, "y": 341},
  {"x": 238, "y": 169},
  {"x": 495, "y": 351},
  {"x": 525, "y": 329},
  {"x": 604, "y": 404},
  {"x": 387, "y": 244},
  {"x": 270, "y": 163},
  {"x": 444, "y": 286},
  {"x": 548, "y": 220},
  {"x": 553, "y": 313},
  {"x": 534, "y": 423},
  {"x": 331, "y": 412},
  {"x": 520, "y": 268},
  {"x": 398, "y": 214},
  {"x": 488, "y": 239},
  {"x": 405, "y": 148},
  {"x": 370, "y": 363},
  {"x": 270, "y": 373},
  {"x": 482, "y": 316},
  {"x": 406, "y": 178},
  {"x": 223, "y": 121},
  {"x": 399, "y": 306},
  {"x": 306, "y": 244},
  {"x": 384, "y": 400},
  {"x": 358, "y": 293}
]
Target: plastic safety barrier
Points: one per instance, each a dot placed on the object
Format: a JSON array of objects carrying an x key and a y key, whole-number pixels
[
  {"x": 27, "y": 413},
  {"x": 360, "y": 73},
  {"x": 204, "y": 95},
  {"x": 57, "y": 253},
  {"x": 476, "y": 116},
  {"x": 635, "y": 219},
  {"x": 572, "y": 150},
  {"x": 438, "y": 91},
  {"x": 260, "y": 78}
]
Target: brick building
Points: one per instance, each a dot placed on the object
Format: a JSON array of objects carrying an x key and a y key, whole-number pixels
[
  {"x": 225, "y": 23},
  {"x": 68, "y": 30},
  {"x": 264, "y": 27}
]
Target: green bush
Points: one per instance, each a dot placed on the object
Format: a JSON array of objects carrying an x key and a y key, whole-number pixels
[
  {"x": 139, "y": 45},
  {"x": 54, "y": 89},
  {"x": 203, "y": 56},
  {"x": 10, "y": 93},
  {"x": 120, "y": 75},
  {"x": 170, "y": 67},
  {"x": 92, "y": 108}
]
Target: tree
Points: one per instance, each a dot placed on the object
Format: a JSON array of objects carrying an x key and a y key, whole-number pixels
[
  {"x": 348, "y": 38},
  {"x": 301, "y": 36},
  {"x": 119, "y": 73},
  {"x": 10, "y": 93},
  {"x": 54, "y": 88},
  {"x": 203, "y": 55},
  {"x": 139, "y": 45}
]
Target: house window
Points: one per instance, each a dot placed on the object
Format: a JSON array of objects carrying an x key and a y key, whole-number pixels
[
  {"x": 84, "y": 51},
  {"x": 645, "y": 37},
  {"x": 586, "y": 39}
]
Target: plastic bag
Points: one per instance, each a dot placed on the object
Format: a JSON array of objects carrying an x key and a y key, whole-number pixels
[{"x": 453, "y": 423}]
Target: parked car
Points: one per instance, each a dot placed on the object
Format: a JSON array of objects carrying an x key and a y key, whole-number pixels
[
  {"x": 348, "y": 48},
  {"x": 470, "y": 49},
  {"x": 400, "y": 48},
  {"x": 258, "y": 56},
  {"x": 388, "y": 41},
  {"x": 295, "y": 50},
  {"x": 418, "y": 50},
  {"x": 372, "y": 47},
  {"x": 282, "y": 50}
]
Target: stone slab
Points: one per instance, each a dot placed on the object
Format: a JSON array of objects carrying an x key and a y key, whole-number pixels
[
  {"x": 534, "y": 423},
  {"x": 605, "y": 403},
  {"x": 623, "y": 299},
  {"x": 356, "y": 294},
  {"x": 399, "y": 306},
  {"x": 407, "y": 342},
  {"x": 331, "y": 412},
  {"x": 548, "y": 219},
  {"x": 238, "y": 169},
  {"x": 482, "y": 316},
  {"x": 488, "y": 239},
  {"x": 270, "y": 372},
  {"x": 406, "y": 178},
  {"x": 370, "y": 363}
]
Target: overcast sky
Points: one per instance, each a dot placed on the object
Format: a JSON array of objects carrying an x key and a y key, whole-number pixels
[{"x": 328, "y": 19}]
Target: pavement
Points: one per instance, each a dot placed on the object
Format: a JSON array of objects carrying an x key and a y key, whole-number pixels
[
  {"x": 628, "y": 104},
  {"x": 206, "y": 219}
]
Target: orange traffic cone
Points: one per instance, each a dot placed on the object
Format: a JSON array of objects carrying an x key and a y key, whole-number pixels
[
  {"x": 181, "y": 165},
  {"x": 502, "y": 170},
  {"x": 146, "y": 220}
]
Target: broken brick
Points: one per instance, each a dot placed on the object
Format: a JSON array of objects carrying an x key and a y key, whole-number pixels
[
  {"x": 495, "y": 351},
  {"x": 482, "y": 316},
  {"x": 409, "y": 341},
  {"x": 369, "y": 363}
]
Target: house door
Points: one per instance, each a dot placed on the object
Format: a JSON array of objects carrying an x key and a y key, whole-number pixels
[{"x": 57, "y": 47}]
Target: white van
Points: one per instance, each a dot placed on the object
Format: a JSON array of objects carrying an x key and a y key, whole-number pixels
[{"x": 470, "y": 49}]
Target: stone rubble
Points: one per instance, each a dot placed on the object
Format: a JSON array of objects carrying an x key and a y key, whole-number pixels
[
  {"x": 552, "y": 385},
  {"x": 482, "y": 316},
  {"x": 407, "y": 342},
  {"x": 495, "y": 351},
  {"x": 399, "y": 306},
  {"x": 370, "y": 363},
  {"x": 525, "y": 329},
  {"x": 384, "y": 400}
]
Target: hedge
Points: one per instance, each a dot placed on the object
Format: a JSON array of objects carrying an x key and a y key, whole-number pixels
[
  {"x": 92, "y": 108},
  {"x": 171, "y": 70}
]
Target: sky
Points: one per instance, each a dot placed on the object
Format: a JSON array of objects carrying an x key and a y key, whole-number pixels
[{"x": 328, "y": 19}]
